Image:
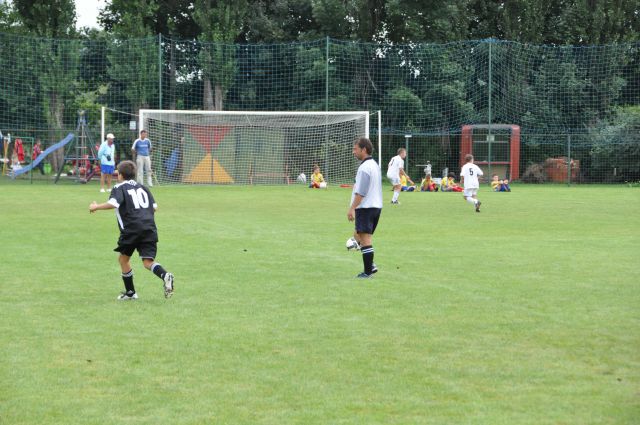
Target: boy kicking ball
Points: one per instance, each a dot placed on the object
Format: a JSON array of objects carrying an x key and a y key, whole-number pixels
[{"x": 135, "y": 213}]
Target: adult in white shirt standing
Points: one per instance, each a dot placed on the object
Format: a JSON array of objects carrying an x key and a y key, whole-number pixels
[
  {"x": 107, "y": 157},
  {"x": 366, "y": 203},
  {"x": 394, "y": 171},
  {"x": 469, "y": 178},
  {"x": 142, "y": 148}
]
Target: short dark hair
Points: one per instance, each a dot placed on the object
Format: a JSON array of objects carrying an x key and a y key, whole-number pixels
[
  {"x": 364, "y": 143},
  {"x": 468, "y": 157},
  {"x": 127, "y": 169},
  {"x": 452, "y": 175}
]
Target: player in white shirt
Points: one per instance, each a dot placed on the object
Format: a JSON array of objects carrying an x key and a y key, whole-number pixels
[
  {"x": 366, "y": 203},
  {"x": 469, "y": 178},
  {"x": 394, "y": 171}
]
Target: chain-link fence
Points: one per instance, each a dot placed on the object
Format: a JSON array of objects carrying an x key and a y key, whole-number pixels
[{"x": 580, "y": 105}]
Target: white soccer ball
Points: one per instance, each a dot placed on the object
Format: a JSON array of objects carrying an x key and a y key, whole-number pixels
[
  {"x": 302, "y": 178},
  {"x": 352, "y": 244}
]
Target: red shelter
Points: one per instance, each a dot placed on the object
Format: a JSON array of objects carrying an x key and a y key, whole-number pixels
[{"x": 495, "y": 148}]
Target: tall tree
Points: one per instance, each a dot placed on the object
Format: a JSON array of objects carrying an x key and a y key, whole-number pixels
[
  {"x": 133, "y": 54},
  {"x": 57, "y": 81},
  {"x": 221, "y": 23}
]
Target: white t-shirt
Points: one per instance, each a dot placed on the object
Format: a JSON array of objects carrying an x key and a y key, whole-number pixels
[
  {"x": 470, "y": 172},
  {"x": 396, "y": 163},
  {"x": 368, "y": 184}
]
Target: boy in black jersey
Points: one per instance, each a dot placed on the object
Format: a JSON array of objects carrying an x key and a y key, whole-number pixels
[{"x": 135, "y": 208}]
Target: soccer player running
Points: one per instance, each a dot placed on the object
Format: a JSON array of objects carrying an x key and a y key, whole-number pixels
[
  {"x": 135, "y": 213},
  {"x": 366, "y": 203},
  {"x": 394, "y": 171},
  {"x": 469, "y": 178}
]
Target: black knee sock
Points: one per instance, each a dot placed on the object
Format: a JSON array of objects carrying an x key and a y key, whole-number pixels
[
  {"x": 367, "y": 258},
  {"x": 158, "y": 270},
  {"x": 128, "y": 281}
]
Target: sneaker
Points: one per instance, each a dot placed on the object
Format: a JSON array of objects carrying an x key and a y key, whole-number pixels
[
  {"x": 374, "y": 268},
  {"x": 126, "y": 296},
  {"x": 102, "y": 191},
  {"x": 363, "y": 275},
  {"x": 395, "y": 202},
  {"x": 168, "y": 285},
  {"x": 478, "y": 206}
]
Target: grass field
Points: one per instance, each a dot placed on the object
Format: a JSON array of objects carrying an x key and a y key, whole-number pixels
[{"x": 527, "y": 313}]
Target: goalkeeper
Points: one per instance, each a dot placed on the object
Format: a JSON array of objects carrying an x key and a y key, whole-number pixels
[
  {"x": 106, "y": 155},
  {"x": 317, "y": 179}
]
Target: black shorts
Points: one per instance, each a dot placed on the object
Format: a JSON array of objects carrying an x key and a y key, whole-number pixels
[
  {"x": 147, "y": 247},
  {"x": 367, "y": 219}
]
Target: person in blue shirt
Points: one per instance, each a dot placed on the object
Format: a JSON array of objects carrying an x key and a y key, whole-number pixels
[
  {"x": 142, "y": 148},
  {"x": 107, "y": 158}
]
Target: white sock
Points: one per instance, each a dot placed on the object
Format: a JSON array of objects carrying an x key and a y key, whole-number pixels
[
  {"x": 471, "y": 200},
  {"x": 395, "y": 196}
]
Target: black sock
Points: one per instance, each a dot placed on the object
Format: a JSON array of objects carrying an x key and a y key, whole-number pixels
[
  {"x": 367, "y": 258},
  {"x": 158, "y": 270},
  {"x": 128, "y": 281}
]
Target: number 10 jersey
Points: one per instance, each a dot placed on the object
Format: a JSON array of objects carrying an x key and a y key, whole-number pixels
[{"x": 135, "y": 208}]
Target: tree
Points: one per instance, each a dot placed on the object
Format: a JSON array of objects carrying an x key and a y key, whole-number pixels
[
  {"x": 220, "y": 25},
  {"x": 57, "y": 81}
]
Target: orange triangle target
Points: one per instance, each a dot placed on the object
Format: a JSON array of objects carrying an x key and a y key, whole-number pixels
[{"x": 208, "y": 171}]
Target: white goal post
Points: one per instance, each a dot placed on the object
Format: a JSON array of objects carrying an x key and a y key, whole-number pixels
[{"x": 246, "y": 147}]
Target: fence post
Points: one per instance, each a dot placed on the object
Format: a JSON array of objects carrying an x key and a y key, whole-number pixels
[
  {"x": 489, "y": 85},
  {"x": 326, "y": 77},
  {"x": 159, "y": 71},
  {"x": 568, "y": 159}
]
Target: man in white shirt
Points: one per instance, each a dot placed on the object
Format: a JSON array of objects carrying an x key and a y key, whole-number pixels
[
  {"x": 394, "y": 171},
  {"x": 469, "y": 178},
  {"x": 366, "y": 203}
]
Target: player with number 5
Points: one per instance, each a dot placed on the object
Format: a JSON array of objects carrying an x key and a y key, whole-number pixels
[
  {"x": 469, "y": 176},
  {"x": 135, "y": 209}
]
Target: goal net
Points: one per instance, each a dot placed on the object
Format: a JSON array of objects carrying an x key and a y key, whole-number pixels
[{"x": 225, "y": 147}]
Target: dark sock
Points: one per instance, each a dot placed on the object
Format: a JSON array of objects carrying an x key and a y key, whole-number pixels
[
  {"x": 128, "y": 281},
  {"x": 158, "y": 270},
  {"x": 367, "y": 258}
]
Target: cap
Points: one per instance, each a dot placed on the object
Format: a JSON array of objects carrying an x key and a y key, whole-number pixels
[{"x": 110, "y": 136}]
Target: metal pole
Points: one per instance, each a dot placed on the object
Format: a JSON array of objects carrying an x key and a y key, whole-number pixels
[
  {"x": 326, "y": 77},
  {"x": 406, "y": 147},
  {"x": 568, "y": 159},
  {"x": 489, "y": 137},
  {"x": 102, "y": 110},
  {"x": 380, "y": 138},
  {"x": 160, "y": 71}
]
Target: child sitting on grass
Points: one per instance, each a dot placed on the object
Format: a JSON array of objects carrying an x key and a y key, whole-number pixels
[
  {"x": 449, "y": 184},
  {"x": 428, "y": 185},
  {"x": 404, "y": 187},
  {"x": 317, "y": 179}
]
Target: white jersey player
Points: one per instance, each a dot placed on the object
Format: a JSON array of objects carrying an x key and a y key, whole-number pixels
[
  {"x": 394, "y": 171},
  {"x": 469, "y": 178}
]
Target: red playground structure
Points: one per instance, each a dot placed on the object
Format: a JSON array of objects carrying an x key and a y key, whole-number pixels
[{"x": 495, "y": 148}]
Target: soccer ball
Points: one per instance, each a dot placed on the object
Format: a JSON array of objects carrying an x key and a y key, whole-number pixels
[
  {"x": 352, "y": 244},
  {"x": 302, "y": 178}
]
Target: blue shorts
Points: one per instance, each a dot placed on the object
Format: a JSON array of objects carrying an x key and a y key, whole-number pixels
[
  {"x": 367, "y": 219},
  {"x": 107, "y": 169}
]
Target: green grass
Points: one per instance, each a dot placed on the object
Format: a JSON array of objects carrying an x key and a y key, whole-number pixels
[{"x": 527, "y": 313}]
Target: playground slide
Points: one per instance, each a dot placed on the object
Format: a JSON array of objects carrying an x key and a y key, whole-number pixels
[{"x": 42, "y": 156}]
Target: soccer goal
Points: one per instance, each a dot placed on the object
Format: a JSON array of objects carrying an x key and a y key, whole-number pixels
[{"x": 239, "y": 147}]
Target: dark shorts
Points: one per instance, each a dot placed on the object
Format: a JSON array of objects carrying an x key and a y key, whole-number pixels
[
  {"x": 367, "y": 219},
  {"x": 147, "y": 248},
  {"x": 107, "y": 169}
]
